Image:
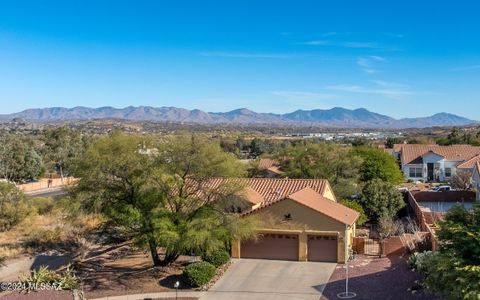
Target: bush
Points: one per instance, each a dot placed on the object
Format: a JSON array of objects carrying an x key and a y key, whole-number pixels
[
  {"x": 199, "y": 273},
  {"x": 66, "y": 281},
  {"x": 217, "y": 258},
  {"x": 418, "y": 261},
  {"x": 43, "y": 205},
  {"x": 46, "y": 238},
  {"x": 13, "y": 206}
]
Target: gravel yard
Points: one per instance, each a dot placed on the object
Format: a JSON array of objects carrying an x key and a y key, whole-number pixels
[{"x": 377, "y": 278}]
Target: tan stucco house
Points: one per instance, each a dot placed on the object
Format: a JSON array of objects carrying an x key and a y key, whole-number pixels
[{"x": 299, "y": 219}]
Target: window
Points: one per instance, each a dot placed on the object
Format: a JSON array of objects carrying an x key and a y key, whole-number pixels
[
  {"x": 448, "y": 172},
  {"x": 416, "y": 172}
]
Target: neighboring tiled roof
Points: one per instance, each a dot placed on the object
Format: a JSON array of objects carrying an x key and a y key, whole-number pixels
[
  {"x": 271, "y": 188},
  {"x": 313, "y": 200},
  {"x": 270, "y": 165},
  {"x": 413, "y": 153},
  {"x": 265, "y": 163},
  {"x": 469, "y": 164},
  {"x": 397, "y": 147}
]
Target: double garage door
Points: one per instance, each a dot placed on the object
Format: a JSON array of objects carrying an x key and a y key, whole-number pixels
[{"x": 285, "y": 247}]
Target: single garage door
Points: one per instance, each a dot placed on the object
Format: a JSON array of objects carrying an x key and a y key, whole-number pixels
[
  {"x": 271, "y": 246},
  {"x": 322, "y": 248}
]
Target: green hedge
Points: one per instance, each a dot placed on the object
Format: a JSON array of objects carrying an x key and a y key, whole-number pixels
[
  {"x": 199, "y": 273},
  {"x": 217, "y": 258}
]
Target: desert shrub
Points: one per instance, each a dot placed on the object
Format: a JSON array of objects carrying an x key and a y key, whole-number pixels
[
  {"x": 43, "y": 205},
  {"x": 68, "y": 208},
  {"x": 66, "y": 281},
  {"x": 13, "y": 206},
  {"x": 418, "y": 260},
  {"x": 217, "y": 258},
  {"x": 199, "y": 273},
  {"x": 46, "y": 238}
]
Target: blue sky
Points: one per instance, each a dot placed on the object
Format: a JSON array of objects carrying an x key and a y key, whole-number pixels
[{"x": 400, "y": 58}]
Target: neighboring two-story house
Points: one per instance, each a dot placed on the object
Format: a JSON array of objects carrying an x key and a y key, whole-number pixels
[{"x": 435, "y": 163}]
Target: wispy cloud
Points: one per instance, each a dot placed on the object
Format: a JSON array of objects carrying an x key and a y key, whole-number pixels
[
  {"x": 466, "y": 68},
  {"x": 248, "y": 55},
  {"x": 336, "y": 33},
  {"x": 382, "y": 88},
  {"x": 369, "y": 63},
  {"x": 368, "y": 45}
]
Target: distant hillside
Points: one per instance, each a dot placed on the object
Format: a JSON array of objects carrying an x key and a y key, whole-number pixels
[{"x": 335, "y": 117}]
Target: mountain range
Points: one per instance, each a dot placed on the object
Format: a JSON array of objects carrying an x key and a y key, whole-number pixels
[{"x": 335, "y": 117}]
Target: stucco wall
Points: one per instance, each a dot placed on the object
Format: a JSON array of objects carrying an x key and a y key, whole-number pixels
[
  {"x": 442, "y": 164},
  {"x": 304, "y": 221},
  {"x": 453, "y": 165},
  {"x": 301, "y": 217},
  {"x": 329, "y": 193}
]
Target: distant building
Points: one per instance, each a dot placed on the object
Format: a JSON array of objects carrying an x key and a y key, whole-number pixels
[
  {"x": 270, "y": 167},
  {"x": 433, "y": 163}
]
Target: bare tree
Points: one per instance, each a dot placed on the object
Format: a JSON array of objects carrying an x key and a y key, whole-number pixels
[{"x": 462, "y": 180}]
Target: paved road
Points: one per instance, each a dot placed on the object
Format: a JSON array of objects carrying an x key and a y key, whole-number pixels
[
  {"x": 271, "y": 280},
  {"x": 48, "y": 192},
  {"x": 13, "y": 268}
]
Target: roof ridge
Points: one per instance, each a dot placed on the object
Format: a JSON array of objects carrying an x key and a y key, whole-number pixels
[
  {"x": 327, "y": 203},
  {"x": 472, "y": 159}
]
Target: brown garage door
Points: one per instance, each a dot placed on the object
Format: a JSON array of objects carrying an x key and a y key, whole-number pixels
[
  {"x": 271, "y": 246},
  {"x": 322, "y": 248}
]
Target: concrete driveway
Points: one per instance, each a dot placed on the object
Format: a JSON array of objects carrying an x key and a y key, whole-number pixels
[{"x": 271, "y": 279}]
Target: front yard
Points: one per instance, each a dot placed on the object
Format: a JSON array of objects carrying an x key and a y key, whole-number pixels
[
  {"x": 125, "y": 271},
  {"x": 377, "y": 278}
]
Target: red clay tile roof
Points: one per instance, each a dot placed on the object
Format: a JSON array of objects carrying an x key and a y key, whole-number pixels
[
  {"x": 413, "y": 153},
  {"x": 313, "y": 200},
  {"x": 270, "y": 165},
  {"x": 253, "y": 196},
  {"x": 397, "y": 147},
  {"x": 470, "y": 164},
  {"x": 265, "y": 163},
  {"x": 272, "y": 188}
]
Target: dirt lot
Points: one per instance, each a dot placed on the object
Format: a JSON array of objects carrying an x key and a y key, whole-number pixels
[
  {"x": 120, "y": 271},
  {"x": 377, "y": 278},
  {"x": 126, "y": 271}
]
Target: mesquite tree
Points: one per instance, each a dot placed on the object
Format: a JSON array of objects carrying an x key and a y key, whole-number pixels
[{"x": 164, "y": 198}]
